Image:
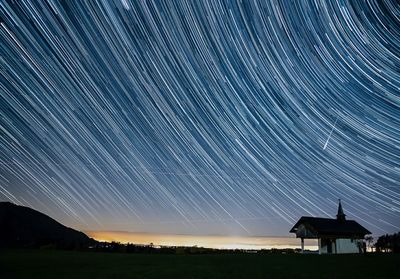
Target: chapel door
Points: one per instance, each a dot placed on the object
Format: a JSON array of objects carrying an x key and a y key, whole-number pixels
[{"x": 329, "y": 246}]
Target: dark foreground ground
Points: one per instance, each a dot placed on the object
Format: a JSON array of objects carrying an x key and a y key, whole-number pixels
[{"x": 65, "y": 264}]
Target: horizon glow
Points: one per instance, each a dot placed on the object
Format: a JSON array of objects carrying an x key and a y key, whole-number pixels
[{"x": 206, "y": 241}]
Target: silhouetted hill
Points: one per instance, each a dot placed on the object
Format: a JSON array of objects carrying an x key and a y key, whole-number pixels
[{"x": 24, "y": 227}]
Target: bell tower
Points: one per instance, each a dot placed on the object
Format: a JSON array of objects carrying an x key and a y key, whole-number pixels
[{"x": 340, "y": 216}]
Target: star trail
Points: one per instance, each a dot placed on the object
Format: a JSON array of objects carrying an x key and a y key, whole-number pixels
[{"x": 201, "y": 117}]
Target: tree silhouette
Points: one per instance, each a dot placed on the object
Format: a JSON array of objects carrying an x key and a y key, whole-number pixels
[
  {"x": 388, "y": 243},
  {"x": 369, "y": 239}
]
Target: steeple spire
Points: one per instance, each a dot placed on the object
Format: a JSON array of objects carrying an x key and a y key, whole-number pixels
[{"x": 340, "y": 216}]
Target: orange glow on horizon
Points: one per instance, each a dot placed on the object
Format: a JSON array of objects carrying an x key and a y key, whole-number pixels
[{"x": 218, "y": 242}]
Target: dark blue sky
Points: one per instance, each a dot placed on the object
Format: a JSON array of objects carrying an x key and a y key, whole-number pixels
[{"x": 201, "y": 117}]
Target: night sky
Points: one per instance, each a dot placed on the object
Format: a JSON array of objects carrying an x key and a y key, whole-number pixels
[{"x": 201, "y": 117}]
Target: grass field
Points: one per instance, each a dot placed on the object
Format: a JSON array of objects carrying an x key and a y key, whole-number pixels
[{"x": 65, "y": 264}]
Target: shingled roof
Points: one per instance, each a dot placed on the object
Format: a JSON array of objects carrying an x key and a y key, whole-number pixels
[
  {"x": 332, "y": 227},
  {"x": 339, "y": 227}
]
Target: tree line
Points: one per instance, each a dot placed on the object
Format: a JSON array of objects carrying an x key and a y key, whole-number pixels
[{"x": 388, "y": 243}]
